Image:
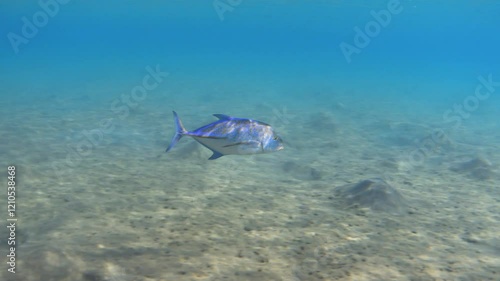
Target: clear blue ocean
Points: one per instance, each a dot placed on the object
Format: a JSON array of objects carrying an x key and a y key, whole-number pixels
[{"x": 387, "y": 111}]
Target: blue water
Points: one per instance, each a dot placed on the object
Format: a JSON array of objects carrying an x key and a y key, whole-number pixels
[{"x": 423, "y": 68}]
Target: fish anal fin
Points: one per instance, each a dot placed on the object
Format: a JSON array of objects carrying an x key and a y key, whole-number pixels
[{"x": 215, "y": 155}]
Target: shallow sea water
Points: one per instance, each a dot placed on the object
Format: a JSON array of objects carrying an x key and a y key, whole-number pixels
[{"x": 97, "y": 197}]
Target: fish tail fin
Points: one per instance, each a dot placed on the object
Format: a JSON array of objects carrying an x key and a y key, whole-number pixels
[{"x": 180, "y": 131}]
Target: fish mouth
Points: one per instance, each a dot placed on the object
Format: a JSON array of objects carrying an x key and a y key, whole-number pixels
[{"x": 281, "y": 148}]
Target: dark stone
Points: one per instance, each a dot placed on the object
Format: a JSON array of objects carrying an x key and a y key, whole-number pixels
[
  {"x": 375, "y": 194},
  {"x": 477, "y": 168},
  {"x": 92, "y": 276}
]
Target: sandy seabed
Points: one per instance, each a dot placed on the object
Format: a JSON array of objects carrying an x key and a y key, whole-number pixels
[{"x": 128, "y": 211}]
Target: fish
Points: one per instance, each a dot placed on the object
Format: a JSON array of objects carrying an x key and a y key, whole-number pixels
[{"x": 231, "y": 135}]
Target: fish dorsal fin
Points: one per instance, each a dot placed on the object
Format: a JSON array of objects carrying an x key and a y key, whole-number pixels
[{"x": 223, "y": 116}]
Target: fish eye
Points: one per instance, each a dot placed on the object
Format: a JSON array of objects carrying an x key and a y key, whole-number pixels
[{"x": 275, "y": 138}]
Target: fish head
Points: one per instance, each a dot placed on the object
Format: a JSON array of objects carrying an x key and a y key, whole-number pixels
[{"x": 272, "y": 142}]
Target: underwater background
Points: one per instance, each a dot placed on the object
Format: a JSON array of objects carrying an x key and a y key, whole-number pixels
[{"x": 389, "y": 111}]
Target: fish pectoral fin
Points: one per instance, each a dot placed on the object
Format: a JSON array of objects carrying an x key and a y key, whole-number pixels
[
  {"x": 215, "y": 155},
  {"x": 244, "y": 143},
  {"x": 207, "y": 137},
  {"x": 247, "y": 147}
]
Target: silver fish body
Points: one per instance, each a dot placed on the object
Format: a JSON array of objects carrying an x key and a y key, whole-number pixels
[{"x": 231, "y": 135}]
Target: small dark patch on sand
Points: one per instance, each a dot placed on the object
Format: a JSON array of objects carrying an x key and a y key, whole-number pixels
[
  {"x": 302, "y": 172},
  {"x": 322, "y": 120}
]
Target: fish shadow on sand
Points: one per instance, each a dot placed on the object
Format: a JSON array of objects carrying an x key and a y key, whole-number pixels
[
  {"x": 374, "y": 194},
  {"x": 302, "y": 171}
]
